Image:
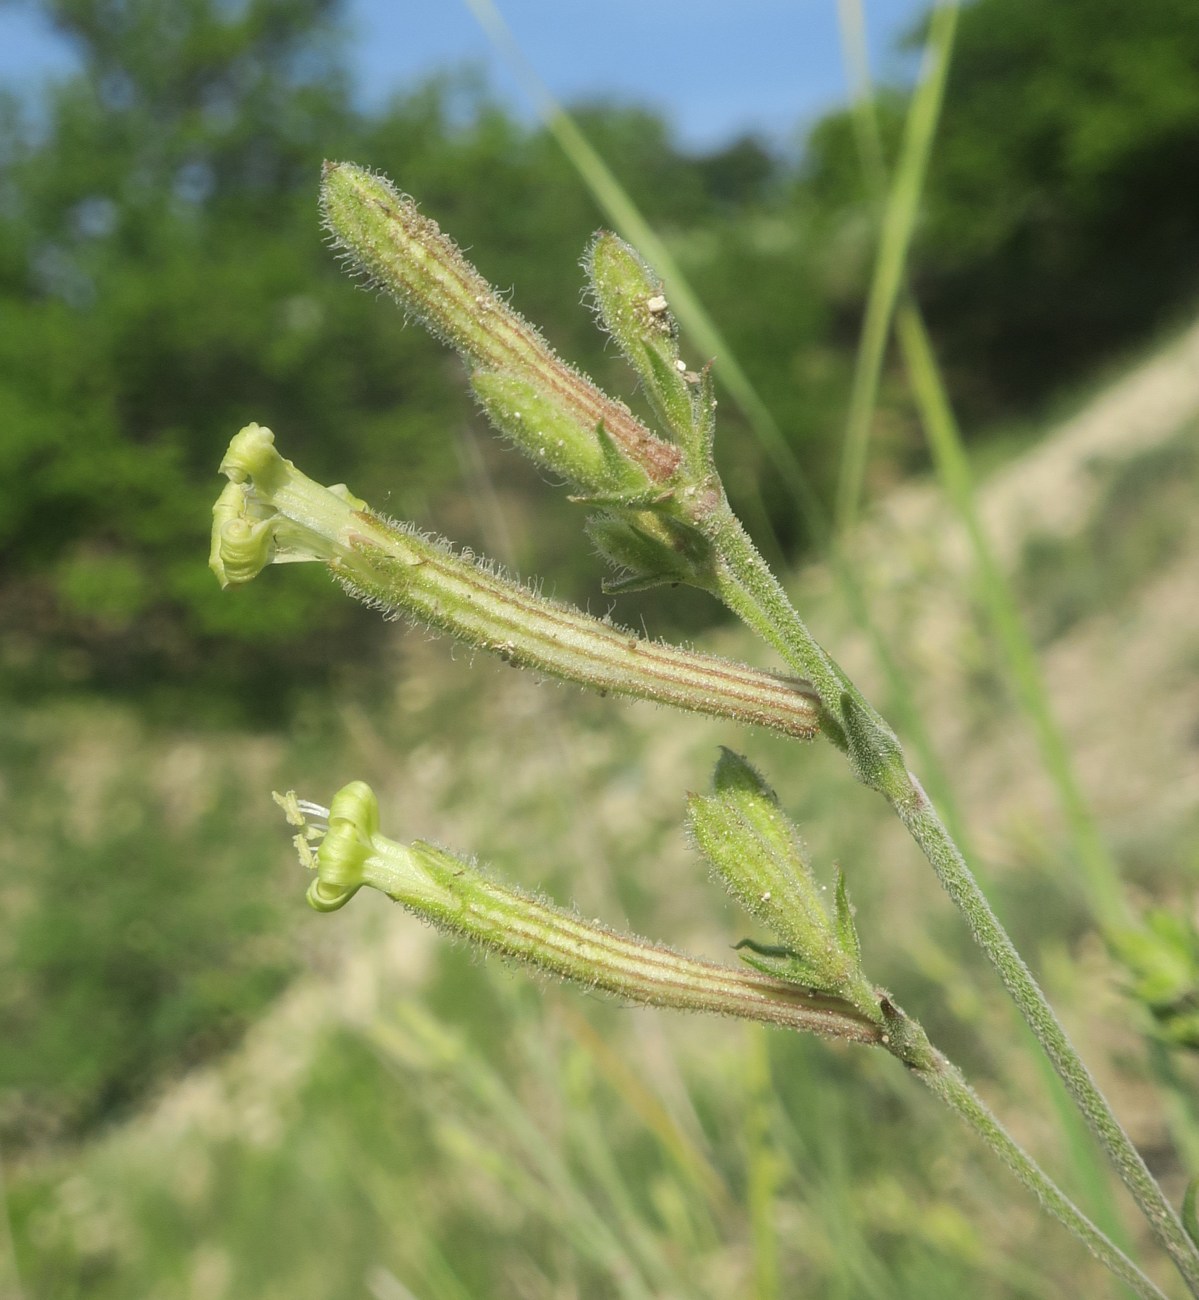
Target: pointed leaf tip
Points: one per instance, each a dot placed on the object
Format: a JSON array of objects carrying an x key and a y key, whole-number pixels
[{"x": 1189, "y": 1219}]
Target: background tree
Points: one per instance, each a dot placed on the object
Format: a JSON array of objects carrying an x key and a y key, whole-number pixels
[
  {"x": 162, "y": 277},
  {"x": 1056, "y": 225}
]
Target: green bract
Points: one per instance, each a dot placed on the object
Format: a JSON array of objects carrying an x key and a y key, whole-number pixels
[
  {"x": 755, "y": 849},
  {"x": 632, "y": 304},
  {"x": 383, "y": 235}
]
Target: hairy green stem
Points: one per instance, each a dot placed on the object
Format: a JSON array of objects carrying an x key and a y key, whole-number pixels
[
  {"x": 927, "y": 829},
  {"x": 945, "y": 1081},
  {"x": 746, "y": 585},
  {"x": 345, "y": 848},
  {"x": 756, "y": 596}
]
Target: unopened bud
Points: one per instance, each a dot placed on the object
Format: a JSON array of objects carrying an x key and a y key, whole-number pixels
[
  {"x": 754, "y": 848},
  {"x": 386, "y": 237}
]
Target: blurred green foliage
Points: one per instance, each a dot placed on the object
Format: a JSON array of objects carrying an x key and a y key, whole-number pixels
[
  {"x": 1132, "y": 535},
  {"x": 1058, "y": 221},
  {"x": 144, "y": 924},
  {"x": 163, "y": 281},
  {"x": 1162, "y": 960}
]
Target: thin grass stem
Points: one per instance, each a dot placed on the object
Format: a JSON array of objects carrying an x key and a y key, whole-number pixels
[
  {"x": 898, "y": 223},
  {"x": 754, "y": 594},
  {"x": 947, "y": 1083},
  {"x": 1101, "y": 876}
]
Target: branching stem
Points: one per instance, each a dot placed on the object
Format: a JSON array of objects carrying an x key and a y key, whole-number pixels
[{"x": 752, "y": 592}]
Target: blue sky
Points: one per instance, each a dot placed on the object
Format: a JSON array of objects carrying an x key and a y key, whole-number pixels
[{"x": 714, "y": 67}]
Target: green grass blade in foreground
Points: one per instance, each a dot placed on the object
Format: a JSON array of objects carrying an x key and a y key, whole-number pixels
[
  {"x": 1100, "y": 874},
  {"x": 899, "y": 219},
  {"x": 693, "y": 1165},
  {"x": 10, "y": 1272},
  {"x": 763, "y": 1166},
  {"x": 755, "y": 595},
  {"x": 540, "y": 1177},
  {"x": 1083, "y": 1158},
  {"x": 598, "y": 1166},
  {"x": 629, "y": 222},
  {"x": 944, "y": 439}
]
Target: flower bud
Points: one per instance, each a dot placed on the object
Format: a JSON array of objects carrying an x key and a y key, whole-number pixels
[
  {"x": 754, "y": 848},
  {"x": 383, "y": 235},
  {"x": 634, "y": 310}
]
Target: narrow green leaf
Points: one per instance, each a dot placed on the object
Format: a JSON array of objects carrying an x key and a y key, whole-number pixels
[
  {"x": 670, "y": 391},
  {"x": 783, "y": 964},
  {"x": 1189, "y": 1220},
  {"x": 755, "y": 849},
  {"x": 847, "y": 930}
]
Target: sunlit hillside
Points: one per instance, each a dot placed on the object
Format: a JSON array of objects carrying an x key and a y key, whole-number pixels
[{"x": 381, "y": 1113}]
